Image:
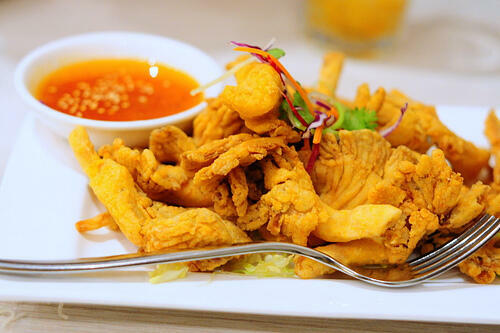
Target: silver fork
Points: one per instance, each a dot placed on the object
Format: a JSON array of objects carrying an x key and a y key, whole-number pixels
[{"x": 424, "y": 268}]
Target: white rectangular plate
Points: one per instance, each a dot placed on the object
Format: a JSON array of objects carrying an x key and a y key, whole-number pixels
[{"x": 43, "y": 193}]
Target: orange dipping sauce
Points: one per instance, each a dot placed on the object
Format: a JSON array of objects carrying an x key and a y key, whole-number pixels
[{"x": 118, "y": 90}]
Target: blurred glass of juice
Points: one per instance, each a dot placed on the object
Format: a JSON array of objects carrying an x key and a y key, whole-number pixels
[{"x": 356, "y": 27}]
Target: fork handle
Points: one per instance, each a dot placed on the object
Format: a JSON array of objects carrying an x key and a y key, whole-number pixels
[{"x": 140, "y": 259}]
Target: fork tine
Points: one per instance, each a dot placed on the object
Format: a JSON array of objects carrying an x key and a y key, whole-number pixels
[
  {"x": 446, "y": 250},
  {"x": 463, "y": 252},
  {"x": 465, "y": 235},
  {"x": 457, "y": 249}
]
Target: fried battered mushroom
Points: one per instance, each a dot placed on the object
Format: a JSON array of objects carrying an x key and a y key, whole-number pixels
[
  {"x": 257, "y": 97},
  {"x": 113, "y": 185},
  {"x": 492, "y": 131},
  {"x": 330, "y": 72},
  {"x": 346, "y": 170},
  {"x": 216, "y": 121},
  {"x": 203, "y": 156},
  {"x": 366, "y": 221},
  {"x": 361, "y": 168},
  {"x": 239, "y": 188},
  {"x": 354, "y": 253},
  {"x": 151, "y": 176},
  {"x": 193, "y": 228},
  {"x": 421, "y": 128},
  {"x": 484, "y": 265},
  {"x": 292, "y": 209},
  {"x": 257, "y": 93},
  {"x": 242, "y": 154},
  {"x": 150, "y": 225},
  {"x": 168, "y": 183},
  {"x": 168, "y": 143}
]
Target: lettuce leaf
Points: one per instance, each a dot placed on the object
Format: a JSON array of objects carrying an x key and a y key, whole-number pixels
[
  {"x": 264, "y": 265},
  {"x": 168, "y": 272}
]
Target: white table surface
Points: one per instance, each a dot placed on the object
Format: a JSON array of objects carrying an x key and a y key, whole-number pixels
[{"x": 447, "y": 54}]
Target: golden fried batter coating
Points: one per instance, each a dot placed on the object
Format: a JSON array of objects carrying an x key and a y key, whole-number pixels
[
  {"x": 347, "y": 170},
  {"x": 113, "y": 185},
  {"x": 421, "y": 127},
  {"x": 419, "y": 181},
  {"x": 168, "y": 143},
  {"x": 223, "y": 202},
  {"x": 243, "y": 154},
  {"x": 492, "y": 131},
  {"x": 257, "y": 97},
  {"x": 168, "y": 183},
  {"x": 288, "y": 210},
  {"x": 471, "y": 203},
  {"x": 355, "y": 253},
  {"x": 362, "y": 96},
  {"x": 231, "y": 195},
  {"x": 291, "y": 209},
  {"x": 330, "y": 73},
  {"x": 148, "y": 224},
  {"x": 366, "y": 221},
  {"x": 193, "y": 228},
  {"x": 97, "y": 222},
  {"x": 216, "y": 121},
  {"x": 368, "y": 200},
  {"x": 426, "y": 190},
  {"x": 204, "y": 156},
  {"x": 152, "y": 177},
  {"x": 239, "y": 189},
  {"x": 484, "y": 265},
  {"x": 258, "y": 91},
  {"x": 360, "y": 168}
]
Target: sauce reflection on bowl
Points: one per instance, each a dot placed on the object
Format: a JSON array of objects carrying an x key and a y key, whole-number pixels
[{"x": 118, "y": 90}]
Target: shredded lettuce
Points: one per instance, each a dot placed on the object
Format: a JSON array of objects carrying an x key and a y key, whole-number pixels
[
  {"x": 168, "y": 272},
  {"x": 264, "y": 265}
]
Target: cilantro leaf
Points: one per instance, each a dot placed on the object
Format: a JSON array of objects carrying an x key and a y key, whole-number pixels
[
  {"x": 277, "y": 53},
  {"x": 357, "y": 119},
  {"x": 353, "y": 119}
]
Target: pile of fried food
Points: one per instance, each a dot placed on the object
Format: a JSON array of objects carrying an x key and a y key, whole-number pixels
[{"x": 246, "y": 173}]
